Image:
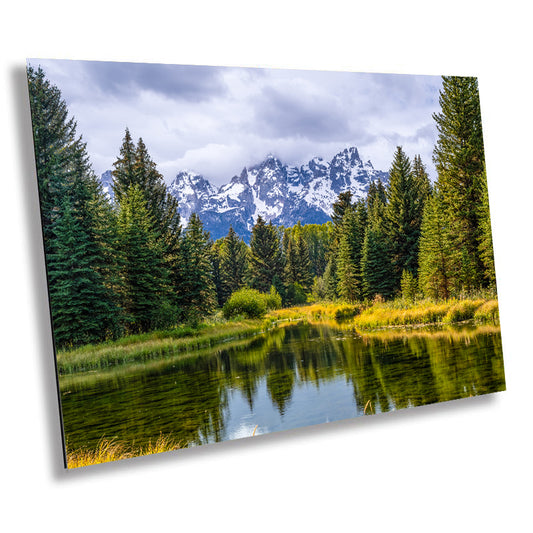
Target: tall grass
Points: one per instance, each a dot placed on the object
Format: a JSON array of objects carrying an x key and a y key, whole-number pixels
[
  {"x": 400, "y": 313},
  {"x": 110, "y": 450},
  {"x": 139, "y": 348},
  {"x": 317, "y": 312}
]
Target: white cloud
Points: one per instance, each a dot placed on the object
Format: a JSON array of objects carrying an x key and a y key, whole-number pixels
[{"x": 217, "y": 120}]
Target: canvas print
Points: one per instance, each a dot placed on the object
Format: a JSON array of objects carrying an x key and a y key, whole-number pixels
[{"x": 238, "y": 251}]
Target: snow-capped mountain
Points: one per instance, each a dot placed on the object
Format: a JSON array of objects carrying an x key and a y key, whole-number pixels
[
  {"x": 107, "y": 184},
  {"x": 278, "y": 193}
]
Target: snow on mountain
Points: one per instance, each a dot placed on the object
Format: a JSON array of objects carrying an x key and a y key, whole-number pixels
[
  {"x": 106, "y": 179},
  {"x": 279, "y": 193}
]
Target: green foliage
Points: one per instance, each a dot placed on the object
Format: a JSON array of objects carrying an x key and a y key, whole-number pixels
[
  {"x": 486, "y": 250},
  {"x": 77, "y": 224},
  {"x": 460, "y": 162},
  {"x": 352, "y": 232},
  {"x": 403, "y": 216},
  {"x": 297, "y": 263},
  {"x": 233, "y": 264},
  {"x": 272, "y": 299},
  {"x": 319, "y": 289},
  {"x": 409, "y": 286},
  {"x": 376, "y": 265},
  {"x": 265, "y": 256},
  {"x": 295, "y": 294},
  {"x": 145, "y": 278},
  {"x": 195, "y": 288},
  {"x": 437, "y": 257},
  {"x": 245, "y": 302}
]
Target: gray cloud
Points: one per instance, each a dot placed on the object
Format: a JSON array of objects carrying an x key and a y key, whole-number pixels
[
  {"x": 215, "y": 120},
  {"x": 282, "y": 114}
]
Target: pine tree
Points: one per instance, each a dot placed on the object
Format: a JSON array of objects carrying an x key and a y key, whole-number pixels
[
  {"x": 82, "y": 307},
  {"x": 124, "y": 174},
  {"x": 233, "y": 263},
  {"x": 145, "y": 290},
  {"x": 266, "y": 262},
  {"x": 72, "y": 207},
  {"x": 376, "y": 265},
  {"x": 351, "y": 239},
  {"x": 403, "y": 216},
  {"x": 437, "y": 257},
  {"x": 196, "y": 295},
  {"x": 486, "y": 251},
  {"x": 460, "y": 162}
]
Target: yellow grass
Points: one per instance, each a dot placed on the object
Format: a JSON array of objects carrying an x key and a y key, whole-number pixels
[{"x": 109, "y": 450}]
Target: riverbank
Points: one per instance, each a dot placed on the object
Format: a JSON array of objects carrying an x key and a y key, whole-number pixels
[
  {"x": 395, "y": 313},
  {"x": 188, "y": 339},
  {"x": 153, "y": 345}
]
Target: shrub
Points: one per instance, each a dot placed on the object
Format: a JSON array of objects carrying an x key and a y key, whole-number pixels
[
  {"x": 273, "y": 299},
  {"x": 246, "y": 302},
  {"x": 347, "y": 311}
]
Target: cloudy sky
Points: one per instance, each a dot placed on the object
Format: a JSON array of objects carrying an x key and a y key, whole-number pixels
[{"x": 216, "y": 120}]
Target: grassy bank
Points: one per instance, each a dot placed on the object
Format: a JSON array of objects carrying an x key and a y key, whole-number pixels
[
  {"x": 425, "y": 312},
  {"x": 139, "y": 348},
  {"x": 186, "y": 339},
  {"x": 109, "y": 450},
  {"x": 395, "y": 313}
]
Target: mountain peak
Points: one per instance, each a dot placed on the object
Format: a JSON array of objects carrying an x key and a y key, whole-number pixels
[{"x": 279, "y": 193}]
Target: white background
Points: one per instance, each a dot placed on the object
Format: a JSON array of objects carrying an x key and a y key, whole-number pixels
[{"x": 461, "y": 466}]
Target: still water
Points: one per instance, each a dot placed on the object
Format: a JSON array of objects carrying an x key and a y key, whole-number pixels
[{"x": 290, "y": 377}]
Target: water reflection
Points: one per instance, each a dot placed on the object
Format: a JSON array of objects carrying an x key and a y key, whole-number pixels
[{"x": 290, "y": 377}]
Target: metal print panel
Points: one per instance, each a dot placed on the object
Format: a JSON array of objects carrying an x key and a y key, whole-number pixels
[{"x": 236, "y": 251}]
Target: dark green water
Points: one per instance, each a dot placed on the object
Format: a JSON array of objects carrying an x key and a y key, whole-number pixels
[{"x": 291, "y": 377}]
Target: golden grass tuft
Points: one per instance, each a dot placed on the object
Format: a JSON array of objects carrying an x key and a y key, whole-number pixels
[{"x": 111, "y": 450}]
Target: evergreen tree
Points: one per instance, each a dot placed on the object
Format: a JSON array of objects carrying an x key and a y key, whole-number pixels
[
  {"x": 376, "y": 265},
  {"x": 437, "y": 256},
  {"x": 124, "y": 174},
  {"x": 403, "y": 216},
  {"x": 421, "y": 180},
  {"x": 233, "y": 263},
  {"x": 72, "y": 207},
  {"x": 266, "y": 262},
  {"x": 145, "y": 290},
  {"x": 331, "y": 280},
  {"x": 460, "y": 162},
  {"x": 486, "y": 251},
  {"x": 349, "y": 257},
  {"x": 82, "y": 307},
  {"x": 215, "y": 253},
  {"x": 196, "y": 295}
]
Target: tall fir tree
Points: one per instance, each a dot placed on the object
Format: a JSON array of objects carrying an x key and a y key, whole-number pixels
[
  {"x": 145, "y": 278},
  {"x": 351, "y": 239},
  {"x": 233, "y": 263},
  {"x": 72, "y": 203},
  {"x": 486, "y": 250},
  {"x": 266, "y": 261},
  {"x": 460, "y": 162},
  {"x": 196, "y": 294},
  {"x": 437, "y": 256},
  {"x": 83, "y": 309},
  {"x": 403, "y": 216}
]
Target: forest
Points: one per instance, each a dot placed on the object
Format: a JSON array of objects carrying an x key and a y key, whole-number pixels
[{"x": 132, "y": 266}]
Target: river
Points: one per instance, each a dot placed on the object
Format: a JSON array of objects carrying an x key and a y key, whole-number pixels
[{"x": 290, "y": 377}]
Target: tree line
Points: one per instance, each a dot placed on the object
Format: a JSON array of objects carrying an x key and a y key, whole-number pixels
[{"x": 130, "y": 266}]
